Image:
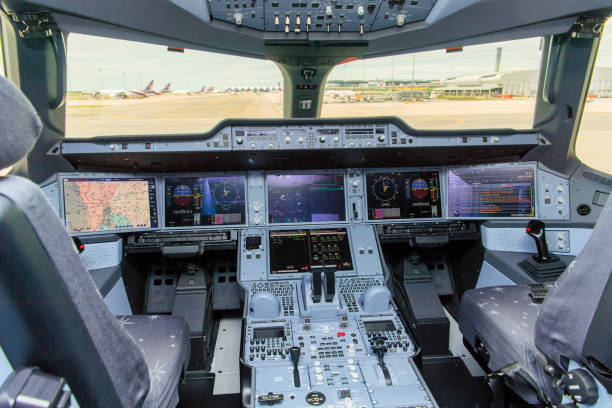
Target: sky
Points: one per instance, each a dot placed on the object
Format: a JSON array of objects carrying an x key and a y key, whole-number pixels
[{"x": 96, "y": 63}]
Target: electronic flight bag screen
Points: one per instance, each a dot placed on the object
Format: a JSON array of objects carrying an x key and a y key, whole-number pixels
[
  {"x": 403, "y": 195},
  {"x": 294, "y": 198},
  {"x": 501, "y": 191},
  {"x": 205, "y": 201}
]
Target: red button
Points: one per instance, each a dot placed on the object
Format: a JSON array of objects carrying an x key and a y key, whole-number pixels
[{"x": 341, "y": 334}]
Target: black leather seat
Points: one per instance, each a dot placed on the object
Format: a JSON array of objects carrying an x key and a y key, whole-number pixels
[
  {"x": 51, "y": 314},
  {"x": 507, "y": 328}
]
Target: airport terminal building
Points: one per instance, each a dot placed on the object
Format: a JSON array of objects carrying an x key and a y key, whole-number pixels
[{"x": 512, "y": 83}]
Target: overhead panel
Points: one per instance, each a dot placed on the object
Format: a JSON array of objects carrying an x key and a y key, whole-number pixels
[{"x": 321, "y": 16}]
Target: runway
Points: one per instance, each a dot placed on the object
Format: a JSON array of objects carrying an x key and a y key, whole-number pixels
[{"x": 180, "y": 114}]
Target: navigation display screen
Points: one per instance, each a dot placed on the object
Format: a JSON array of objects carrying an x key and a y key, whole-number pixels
[
  {"x": 296, "y": 198},
  {"x": 300, "y": 250},
  {"x": 109, "y": 204},
  {"x": 506, "y": 191},
  {"x": 204, "y": 201},
  {"x": 403, "y": 195}
]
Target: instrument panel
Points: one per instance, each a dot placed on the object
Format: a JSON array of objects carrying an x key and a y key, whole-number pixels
[{"x": 102, "y": 203}]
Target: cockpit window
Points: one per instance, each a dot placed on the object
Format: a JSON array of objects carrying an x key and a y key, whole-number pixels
[
  {"x": 474, "y": 87},
  {"x": 118, "y": 87},
  {"x": 594, "y": 142}
]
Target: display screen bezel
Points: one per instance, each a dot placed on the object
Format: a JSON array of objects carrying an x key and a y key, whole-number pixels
[
  {"x": 62, "y": 177},
  {"x": 531, "y": 165},
  {"x": 316, "y": 172},
  {"x": 162, "y": 204}
]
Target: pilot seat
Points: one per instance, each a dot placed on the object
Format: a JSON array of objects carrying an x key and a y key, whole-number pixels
[
  {"x": 51, "y": 314},
  {"x": 529, "y": 343}
]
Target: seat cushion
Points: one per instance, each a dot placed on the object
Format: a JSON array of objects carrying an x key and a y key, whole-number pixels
[
  {"x": 503, "y": 318},
  {"x": 164, "y": 341}
]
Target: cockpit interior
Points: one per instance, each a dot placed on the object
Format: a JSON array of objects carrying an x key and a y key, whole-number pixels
[{"x": 352, "y": 212}]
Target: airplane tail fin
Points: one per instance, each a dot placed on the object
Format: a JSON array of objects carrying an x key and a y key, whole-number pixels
[
  {"x": 167, "y": 87},
  {"x": 150, "y": 86}
]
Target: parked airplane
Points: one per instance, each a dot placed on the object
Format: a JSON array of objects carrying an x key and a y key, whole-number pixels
[{"x": 127, "y": 93}]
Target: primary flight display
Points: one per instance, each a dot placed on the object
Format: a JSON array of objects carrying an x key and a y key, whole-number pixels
[
  {"x": 403, "y": 195},
  {"x": 204, "y": 201}
]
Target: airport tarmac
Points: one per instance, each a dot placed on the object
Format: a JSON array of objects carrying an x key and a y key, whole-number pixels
[{"x": 180, "y": 114}]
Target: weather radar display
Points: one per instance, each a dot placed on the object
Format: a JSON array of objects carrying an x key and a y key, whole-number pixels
[
  {"x": 403, "y": 195},
  {"x": 204, "y": 201}
]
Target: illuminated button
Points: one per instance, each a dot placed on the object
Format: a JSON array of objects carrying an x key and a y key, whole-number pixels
[
  {"x": 319, "y": 377},
  {"x": 400, "y": 19},
  {"x": 301, "y": 140},
  {"x": 360, "y": 11},
  {"x": 354, "y": 375},
  {"x": 341, "y": 334},
  {"x": 351, "y": 367},
  {"x": 270, "y": 145},
  {"x": 298, "y": 21},
  {"x": 328, "y": 10},
  {"x": 276, "y": 20}
]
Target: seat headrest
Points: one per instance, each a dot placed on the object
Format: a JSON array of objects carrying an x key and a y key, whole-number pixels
[{"x": 20, "y": 126}]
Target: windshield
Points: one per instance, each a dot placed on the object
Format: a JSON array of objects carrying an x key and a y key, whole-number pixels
[
  {"x": 477, "y": 87},
  {"x": 594, "y": 143},
  {"x": 118, "y": 87}
]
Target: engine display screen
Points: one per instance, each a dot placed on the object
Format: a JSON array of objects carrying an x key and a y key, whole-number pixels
[
  {"x": 109, "y": 204},
  {"x": 403, "y": 195},
  {"x": 379, "y": 326},
  {"x": 268, "y": 332},
  {"x": 298, "y": 251},
  {"x": 294, "y": 198},
  {"x": 204, "y": 201},
  {"x": 505, "y": 191}
]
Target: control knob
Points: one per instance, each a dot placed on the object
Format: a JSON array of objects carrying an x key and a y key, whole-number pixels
[
  {"x": 239, "y": 141},
  {"x": 381, "y": 138},
  {"x": 400, "y": 19},
  {"x": 322, "y": 139}
]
